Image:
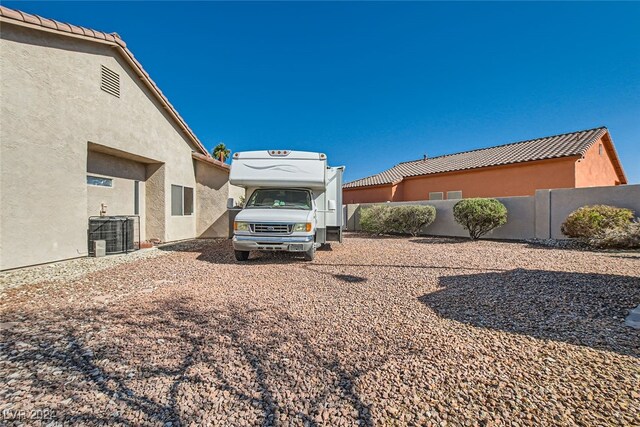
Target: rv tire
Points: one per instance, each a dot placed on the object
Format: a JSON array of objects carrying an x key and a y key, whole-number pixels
[{"x": 310, "y": 254}]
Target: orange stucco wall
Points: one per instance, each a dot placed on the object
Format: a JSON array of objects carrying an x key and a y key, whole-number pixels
[
  {"x": 521, "y": 179},
  {"x": 596, "y": 169},
  {"x": 510, "y": 180},
  {"x": 381, "y": 193}
]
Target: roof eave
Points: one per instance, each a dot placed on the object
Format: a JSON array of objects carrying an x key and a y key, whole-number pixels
[
  {"x": 211, "y": 161},
  {"x": 617, "y": 164}
]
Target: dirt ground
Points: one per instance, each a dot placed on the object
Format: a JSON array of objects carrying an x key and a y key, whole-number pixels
[{"x": 376, "y": 331}]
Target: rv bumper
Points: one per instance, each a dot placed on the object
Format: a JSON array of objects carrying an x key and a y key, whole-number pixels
[{"x": 269, "y": 243}]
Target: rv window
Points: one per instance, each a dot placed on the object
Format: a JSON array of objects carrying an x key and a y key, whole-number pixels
[{"x": 280, "y": 199}]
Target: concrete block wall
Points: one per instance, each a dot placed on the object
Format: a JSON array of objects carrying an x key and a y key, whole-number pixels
[{"x": 529, "y": 217}]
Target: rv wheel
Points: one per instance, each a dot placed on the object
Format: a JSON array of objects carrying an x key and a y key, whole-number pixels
[
  {"x": 310, "y": 254},
  {"x": 242, "y": 255}
]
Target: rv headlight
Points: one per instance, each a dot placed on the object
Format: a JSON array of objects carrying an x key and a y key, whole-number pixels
[
  {"x": 240, "y": 226},
  {"x": 303, "y": 226}
]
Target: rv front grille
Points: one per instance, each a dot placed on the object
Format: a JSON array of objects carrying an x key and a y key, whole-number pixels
[{"x": 272, "y": 228}]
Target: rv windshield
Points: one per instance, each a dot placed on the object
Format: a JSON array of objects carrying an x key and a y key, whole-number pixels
[{"x": 280, "y": 199}]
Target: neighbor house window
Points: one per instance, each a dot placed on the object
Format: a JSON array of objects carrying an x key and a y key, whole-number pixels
[
  {"x": 436, "y": 195},
  {"x": 600, "y": 149},
  {"x": 181, "y": 200},
  {"x": 454, "y": 195},
  {"x": 99, "y": 181}
]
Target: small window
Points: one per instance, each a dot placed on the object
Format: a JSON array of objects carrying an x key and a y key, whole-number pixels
[
  {"x": 181, "y": 200},
  {"x": 99, "y": 181},
  {"x": 437, "y": 195},
  {"x": 600, "y": 149},
  {"x": 454, "y": 195}
]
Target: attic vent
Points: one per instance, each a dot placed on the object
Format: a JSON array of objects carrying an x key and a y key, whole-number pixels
[{"x": 110, "y": 82}]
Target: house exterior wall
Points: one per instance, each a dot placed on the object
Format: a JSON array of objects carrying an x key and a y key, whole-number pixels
[
  {"x": 380, "y": 193},
  {"x": 212, "y": 191},
  {"x": 521, "y": 179},
  {"x": 52, "y": 110},
  {"x": 596, "y": 169},
  {"x": 120, "y": 198}
]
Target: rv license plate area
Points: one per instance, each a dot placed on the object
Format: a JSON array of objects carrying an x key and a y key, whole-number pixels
[{"x": 297, "y": 247}]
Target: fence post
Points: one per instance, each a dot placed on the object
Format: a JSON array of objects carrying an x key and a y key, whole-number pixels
[{"x": 542, "y": 214}]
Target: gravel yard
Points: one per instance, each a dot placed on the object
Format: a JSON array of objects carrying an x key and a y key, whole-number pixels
[{"x": 388, "y": 331}]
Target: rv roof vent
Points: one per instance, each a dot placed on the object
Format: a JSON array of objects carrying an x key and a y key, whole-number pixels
[{"x": 110, "y": 82}]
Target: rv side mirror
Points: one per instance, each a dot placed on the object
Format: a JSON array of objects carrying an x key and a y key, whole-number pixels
[
  {"x": 332, "y": 205},
  {"x": 230, "y": 203}
]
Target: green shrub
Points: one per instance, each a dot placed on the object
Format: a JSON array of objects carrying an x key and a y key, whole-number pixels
[
  {"x": 479, "y": 216},
  {"x": 593, "y": 222},
  {"x": 625, "y": 237},
  {"x": 374, "y": 219},
  {"x": 404, "y": 219},
  {"x": 409, "y": 219}
]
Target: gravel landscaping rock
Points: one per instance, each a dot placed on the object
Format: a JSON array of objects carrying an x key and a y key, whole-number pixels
[{"x": 385, "y": 331}]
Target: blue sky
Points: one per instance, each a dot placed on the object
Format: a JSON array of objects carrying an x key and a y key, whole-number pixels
[{"x": 373, "y": 84}]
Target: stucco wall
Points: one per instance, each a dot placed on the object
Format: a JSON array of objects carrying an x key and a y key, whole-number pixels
[
  {"x": 52, "y": 108},
  {"x": 382, "y": 193},
  {"x": 563, "y": 202},
  {"x": 521, "y": 179},
  {"x": 212, "y": 189},
  {"x": 236, "y": 193},
  {"x": 538, "y": 216},
  {"x": 596, "y": 168},
  {"x": 520, "y": 222},
  {"x": 120, "y": 198}
]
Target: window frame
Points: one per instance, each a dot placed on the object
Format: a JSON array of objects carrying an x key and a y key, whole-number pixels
[
  {"x": 454, "y": 198},
  {"x": 182, "y": 200},
  {"x": 441, "y": 193}
]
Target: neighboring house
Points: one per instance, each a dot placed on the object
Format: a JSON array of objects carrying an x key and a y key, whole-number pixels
[
  {"x": 84, "y": 129},
  {"x": 578, "y": 159}
]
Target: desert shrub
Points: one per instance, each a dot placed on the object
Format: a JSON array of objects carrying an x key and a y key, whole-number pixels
[
  {"x": 479, "y": 216},
  {"x": 404, "y": 219},
  {"x": 593, "y": 222},
  {"x": 624, "y": 237},
  {"x": 409, "y": 219},
  {"x": 374, "y": 219}
]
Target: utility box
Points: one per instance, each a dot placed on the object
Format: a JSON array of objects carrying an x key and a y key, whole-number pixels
[{"x": 99, "y": 248}]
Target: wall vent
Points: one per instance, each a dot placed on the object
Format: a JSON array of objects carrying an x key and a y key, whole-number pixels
[{"x": 110, "y": 82}]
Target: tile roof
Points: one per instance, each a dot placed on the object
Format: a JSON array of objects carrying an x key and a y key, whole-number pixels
[
  {"x": 18, "y": 17},
  {"x": 550, "y": 147},
  {"x": 210, "y": 160}
]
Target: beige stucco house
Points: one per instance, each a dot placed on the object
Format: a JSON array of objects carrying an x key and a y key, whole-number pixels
[{"x": 84, "y": 130}]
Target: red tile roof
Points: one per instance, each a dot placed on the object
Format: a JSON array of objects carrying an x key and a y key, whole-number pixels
[
  {"x": 210, "y": 160},
  {"x": 18, "y": 17},
  {"x": 550, "y": 147}
]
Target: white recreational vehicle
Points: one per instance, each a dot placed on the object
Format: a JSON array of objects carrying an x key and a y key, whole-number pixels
[{"x": 293, "y": 202}]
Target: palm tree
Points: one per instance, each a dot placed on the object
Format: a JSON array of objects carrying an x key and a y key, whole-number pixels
[{"x": 220, "y": 152}]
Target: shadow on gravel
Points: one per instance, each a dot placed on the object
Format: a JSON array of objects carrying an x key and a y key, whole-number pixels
[
  {"x": 221, "y": 252},
  {"x": 440, "y": 240},
  {"x": 173, "y": 362},
  {"x": 577, "y": 308}
]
